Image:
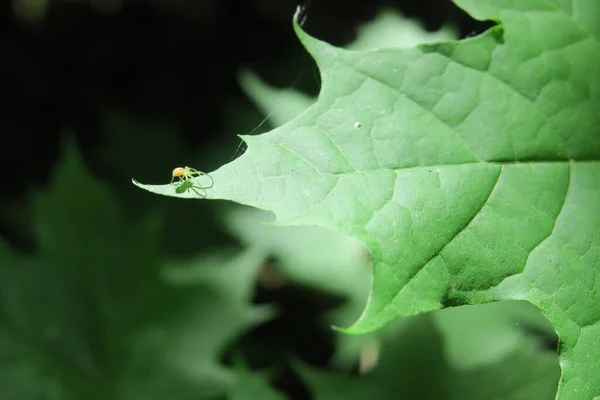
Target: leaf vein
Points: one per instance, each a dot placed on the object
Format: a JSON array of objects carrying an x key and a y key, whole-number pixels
[
  {"x": 439, "y": 252},
  {"x": 422, "y": 107},
  {"x": 529, "y": 99}
]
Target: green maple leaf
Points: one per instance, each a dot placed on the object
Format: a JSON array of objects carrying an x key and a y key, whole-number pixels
[
  {"x": 469, "y": 169},
  {"x": 96, "y": 314}
]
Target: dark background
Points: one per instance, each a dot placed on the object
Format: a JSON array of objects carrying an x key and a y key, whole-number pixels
[{"x": 76, "y": 68}]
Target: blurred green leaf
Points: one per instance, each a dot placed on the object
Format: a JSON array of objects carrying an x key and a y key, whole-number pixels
[
  {"x": 218, "y": 310},
  {"x": 392, "y": 29},
  {"x": 90, "y": 314},
  {"x": 315, "y": 257},
  {"x": 252, "y": 385},
  {"x": 484, "y": 334},
  {"x": 412, "y": 366}
]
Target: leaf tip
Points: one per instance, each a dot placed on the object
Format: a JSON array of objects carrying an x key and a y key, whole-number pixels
[
  {"x": 300, "y": 15},
  {"x": 311, "y": 44},
  {"x": 142, "y": 186},
  {"x": 351, "y": 330}
]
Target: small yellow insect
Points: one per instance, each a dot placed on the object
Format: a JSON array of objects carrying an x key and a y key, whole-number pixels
[{"x": 185, "y": 183}]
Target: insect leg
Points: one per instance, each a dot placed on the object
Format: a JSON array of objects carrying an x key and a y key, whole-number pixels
[
  {"x": 212, "y": 181},
  {"x": 195, "y": 191}
]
